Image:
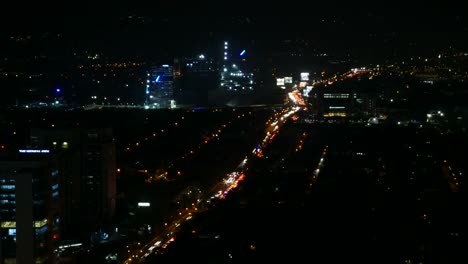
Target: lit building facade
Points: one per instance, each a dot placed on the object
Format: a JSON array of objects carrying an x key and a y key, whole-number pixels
[
  {"x": 233, "y": 78},
  {"x": 339, "y": 102},
  {"x": 29, "y": 208},
  {"x": 86, "y": 159},
  {"x": 160, "y": 87}
]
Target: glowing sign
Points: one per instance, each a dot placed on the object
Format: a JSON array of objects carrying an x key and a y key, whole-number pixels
[
  {"x": 157, "y": 78},
  {"x": 242, "y": 53},
  {"x": 337, "y": 107},
  {"x": 143, "y": 204},
  {"x": 34, "y": 151},
  {"x": 173, "y": 104},
  {"x": 12, "y": 232},
  {"x": 288, "y": 80},
  {"x": 304, "y": 76},
  {"x": 279, "y": 81}
]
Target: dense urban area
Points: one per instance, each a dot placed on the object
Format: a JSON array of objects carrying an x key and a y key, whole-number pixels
[{"x": 235, "y": 146}]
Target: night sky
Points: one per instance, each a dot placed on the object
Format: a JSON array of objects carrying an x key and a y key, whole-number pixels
[{"x": 140, "y": 28}]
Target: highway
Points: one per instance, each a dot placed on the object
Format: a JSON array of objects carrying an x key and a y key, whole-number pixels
[
  {"x": 219, "y": 191},
  {"x": 231, "y": 181}
]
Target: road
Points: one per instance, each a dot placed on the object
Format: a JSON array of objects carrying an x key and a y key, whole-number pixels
[
  {"x": 230, "y": 182},
  {"x": 219, "y": 191}
]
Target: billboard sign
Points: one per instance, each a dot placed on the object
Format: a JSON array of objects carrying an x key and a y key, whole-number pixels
[{"x": 279, "y": 81}]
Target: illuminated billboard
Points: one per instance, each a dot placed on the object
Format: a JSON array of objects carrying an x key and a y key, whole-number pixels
[
  {"x": 279, "y": 81},
  {"x": 304, "y": 76},
  {"x": 34, "y": 151},
  {"x": 288, "y": 80}
]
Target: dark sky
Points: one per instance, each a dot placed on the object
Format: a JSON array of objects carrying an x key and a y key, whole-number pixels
[
  {"x": 30, "y": 15},
  {"x": 176, "y": 23}
]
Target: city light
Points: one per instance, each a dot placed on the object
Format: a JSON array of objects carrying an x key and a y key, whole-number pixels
[
  {"x": 34, "y": 151},
  {"x": 242, "y": 53}
]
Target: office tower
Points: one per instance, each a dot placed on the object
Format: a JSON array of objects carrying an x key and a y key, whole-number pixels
[
  {"x": 29, "y": 207},
  {"x": 86, "y": 160},
  {"x": 198, "y": 79},
  {"x": 233, "y": 78},
  {"x": 337, "y": 101},
  {"x": 160, "y": 87}
]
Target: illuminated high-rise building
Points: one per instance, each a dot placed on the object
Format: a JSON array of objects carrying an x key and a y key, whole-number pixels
[
  {"x": 160, "y": 87},
  {"x": 199, "y": 78},
  {"x": 86, "y": 160},
  {"x": 29, "y": 207},
  {"x": 233, "y": 78}
]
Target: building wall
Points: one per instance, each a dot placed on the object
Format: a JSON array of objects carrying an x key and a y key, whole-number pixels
[
  {"x": 88, "y": 168},
  {"x": 160, "y": 87},
  {"x": 28, "y": 226}
]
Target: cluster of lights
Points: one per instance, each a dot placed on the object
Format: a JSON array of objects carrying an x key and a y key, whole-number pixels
[
  {"x": 301, "y": 142},
  {"x": 316, "y": 172},
  {"x": 453, "y": 177},
  {"x": 114, "y": 65},
  {"x": 216, "y": 134},
  {"x": 225, "y": 50},
  {"x": 220, "y": 191},
  {"x": 231, "y": 182}
]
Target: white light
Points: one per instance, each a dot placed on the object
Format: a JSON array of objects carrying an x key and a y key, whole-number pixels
[
  {"x": 225, "y": 58},
  {"x": 34, "y": 151},
  {"x": 165, "y": 65},
  {"x": 201, "y": 56},
  {"x": 143, "y": 204},
  {"x": 225, "y": 43},
  {"x": 225, "y": 53}
]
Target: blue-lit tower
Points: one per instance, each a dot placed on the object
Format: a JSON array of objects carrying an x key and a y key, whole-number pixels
[{"x": 160, "y": 87}]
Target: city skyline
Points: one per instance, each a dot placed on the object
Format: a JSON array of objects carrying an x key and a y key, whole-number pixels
[{"x": 233, "y": 132}]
